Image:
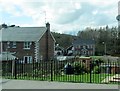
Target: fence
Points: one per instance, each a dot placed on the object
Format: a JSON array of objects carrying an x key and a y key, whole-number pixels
[{"x": 65, "y": 71}]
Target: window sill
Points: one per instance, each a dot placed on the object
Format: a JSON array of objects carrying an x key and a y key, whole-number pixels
[{"x": 26, "y": 48}]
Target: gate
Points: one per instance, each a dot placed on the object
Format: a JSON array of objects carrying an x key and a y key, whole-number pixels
[{"x": 64, "y": 71}]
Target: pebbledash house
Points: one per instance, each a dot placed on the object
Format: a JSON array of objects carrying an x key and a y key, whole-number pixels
[{"x": 28, "y": 43}]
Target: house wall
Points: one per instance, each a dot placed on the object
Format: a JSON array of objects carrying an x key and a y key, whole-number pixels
[
  {"x": 20, "y": 52},
  {"x": 44, "y": 51},
  {"x": 89, "y": 50}
]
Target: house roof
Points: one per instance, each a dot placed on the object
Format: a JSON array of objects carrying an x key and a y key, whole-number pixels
[
  {"x": 22, "y": 33},
  {"x": 83, "y": 41},
  {"x": 59, "y": 48},
  {"x": 6, "y": 56}
]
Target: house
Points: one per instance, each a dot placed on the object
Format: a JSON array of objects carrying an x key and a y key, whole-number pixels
[
  {"x": 70, "y": 50},
  {"x": 84, "y": 47},
  {"x": 28, "y": 43},
  {"x": 59, "y": 51}
]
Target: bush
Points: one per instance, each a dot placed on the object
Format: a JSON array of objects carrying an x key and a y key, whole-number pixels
[
  {"x": 79, "y": 68},
  {"x": 96, "y": 70}
]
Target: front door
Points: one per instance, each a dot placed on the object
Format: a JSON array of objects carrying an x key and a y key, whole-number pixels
[{"x": 27, "y": 59}]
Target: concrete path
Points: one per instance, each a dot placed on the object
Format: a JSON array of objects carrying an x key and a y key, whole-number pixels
[{"x": 28, "y": 84}]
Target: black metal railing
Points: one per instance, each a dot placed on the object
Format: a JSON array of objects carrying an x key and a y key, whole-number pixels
[{"x": 65, "y": 71}]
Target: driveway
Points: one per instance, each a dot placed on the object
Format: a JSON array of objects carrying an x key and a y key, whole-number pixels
[{"x": 28, "y": 84}]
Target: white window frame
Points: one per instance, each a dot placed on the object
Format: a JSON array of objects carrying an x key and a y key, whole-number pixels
[
  {"x": 27, "y": 45},
  {"x": 88, "y": 46},
  {"x": 8, "y": 44},
  {"x": 29, "y": 59},
  {"x": 84, "y": 47},
  {"x": 14, "y": 44}
]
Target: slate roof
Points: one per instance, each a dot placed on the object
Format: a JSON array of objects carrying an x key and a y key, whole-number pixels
[
  {"x": 83, "y": 41},
  {"x": 22, "y": 33}
]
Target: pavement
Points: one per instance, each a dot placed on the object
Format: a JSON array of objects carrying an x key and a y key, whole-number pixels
[{"x": 30, "y": 84}]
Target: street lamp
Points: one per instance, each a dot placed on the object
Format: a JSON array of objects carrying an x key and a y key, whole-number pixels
[{"x": 104, "y": 48}]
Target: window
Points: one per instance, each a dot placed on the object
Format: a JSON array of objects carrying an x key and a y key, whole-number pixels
[
  {"x": 11, "y": 44},
  {"x": 27, "y": 59},
  {"x": 84, "y": 47},
  {"x": 14, "y": 45},
  {"x": 91, "y": 46},
  {"x": 27, "y": 45},
  {"x": 8, "y": 44},
  {"x": 87, "y": 46}
]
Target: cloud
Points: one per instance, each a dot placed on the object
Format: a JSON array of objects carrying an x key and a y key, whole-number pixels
[
  {"x": 64, "y": 16},
  {"x": 68, "y": 17}
]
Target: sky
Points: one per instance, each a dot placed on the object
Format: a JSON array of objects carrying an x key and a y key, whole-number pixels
[{"x": 64, "y": 16}]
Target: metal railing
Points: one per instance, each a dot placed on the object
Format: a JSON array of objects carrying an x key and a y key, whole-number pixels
[{"x": 66, "y": 71}]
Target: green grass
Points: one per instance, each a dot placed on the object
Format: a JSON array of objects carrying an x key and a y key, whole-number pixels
[
  {"x": 85, "y": 78},
  {"x": 96, "y": 57}
]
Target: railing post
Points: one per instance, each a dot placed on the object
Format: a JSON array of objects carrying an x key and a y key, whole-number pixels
[
  {"x": 51, "y": 70},
  {"x": 15, "y": 68},
  {"x": 90, "y": 73}
]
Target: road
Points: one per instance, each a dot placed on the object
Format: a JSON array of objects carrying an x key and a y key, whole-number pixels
[{"x": 28, "y": 84}]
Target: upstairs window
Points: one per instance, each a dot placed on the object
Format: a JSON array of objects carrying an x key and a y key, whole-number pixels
[
  {"x": 27, "y": 45},
  {"x": 8, "y": 44},
  {"x": 84, "y": 47},
  {"x": 14, "y": 45},
  {"x": 88, "y": 46},
  {"x": 11, "y": 44}
]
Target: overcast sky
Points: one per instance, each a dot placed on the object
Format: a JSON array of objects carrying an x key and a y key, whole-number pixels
[{"x": 65, "y": 16}]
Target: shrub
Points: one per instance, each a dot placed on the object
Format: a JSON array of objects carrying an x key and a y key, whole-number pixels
[
  {"x": 79, "y": 68},
  {"x": 96, "y": 70}
]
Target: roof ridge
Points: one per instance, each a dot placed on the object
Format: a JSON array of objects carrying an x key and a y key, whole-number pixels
[{"x": 25, "y": 27}]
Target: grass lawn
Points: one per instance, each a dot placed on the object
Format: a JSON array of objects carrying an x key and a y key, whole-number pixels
[
  {"x": 85, "y": 78},
  {"x": 96, "y": 57}
]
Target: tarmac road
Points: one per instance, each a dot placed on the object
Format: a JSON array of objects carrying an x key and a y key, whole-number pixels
[{"x": 28, "y": 84}]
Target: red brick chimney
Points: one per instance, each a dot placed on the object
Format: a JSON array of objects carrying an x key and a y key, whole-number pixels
[
  {"x": 47, "y": 40},
  {"x": 48, "y": 26}
]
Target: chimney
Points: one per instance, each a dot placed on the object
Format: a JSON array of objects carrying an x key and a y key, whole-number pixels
[
  {"x": 4, "y": 25},
  {"x": 48, "y": 26},
  {"x": 47, "y": 40}
]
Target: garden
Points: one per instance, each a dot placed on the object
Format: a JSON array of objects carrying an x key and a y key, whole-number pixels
[{"x": 67, "y": 71}]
